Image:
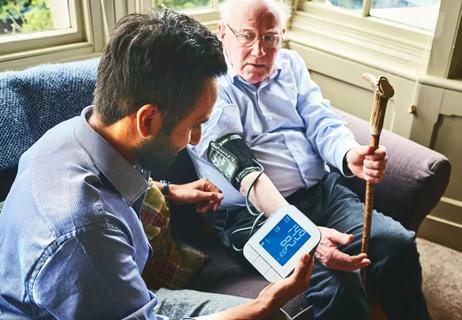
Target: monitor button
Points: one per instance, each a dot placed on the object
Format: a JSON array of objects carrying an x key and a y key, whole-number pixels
[
  {"x": 261, "y": 265},
  {"x": 272, "y": 276}
]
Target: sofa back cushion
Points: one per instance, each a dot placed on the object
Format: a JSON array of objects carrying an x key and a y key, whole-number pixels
[{"x": 36, "y": 99}]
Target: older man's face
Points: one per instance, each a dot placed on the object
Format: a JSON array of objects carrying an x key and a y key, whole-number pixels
[{"x": 252, "y": 62}]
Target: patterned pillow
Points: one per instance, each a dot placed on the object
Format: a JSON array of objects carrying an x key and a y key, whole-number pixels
[{"x": 173, "y": 262}]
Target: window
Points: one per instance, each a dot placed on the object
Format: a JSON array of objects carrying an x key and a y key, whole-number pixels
[
  {"x": 26, "y": 16},
  {"x": 183, "y": 4},
  {"x": 205, "y": 11},
  {"x": 40, "y": 31},
  {"x": 391, "y": 35},
  {"x": 421, "y": 14}
]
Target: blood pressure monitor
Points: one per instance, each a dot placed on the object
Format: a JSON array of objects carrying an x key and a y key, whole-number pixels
[{"x": 275, "y": 249}]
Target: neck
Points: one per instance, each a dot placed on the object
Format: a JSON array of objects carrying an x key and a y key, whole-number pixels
[{"x": 117, "y": 135}]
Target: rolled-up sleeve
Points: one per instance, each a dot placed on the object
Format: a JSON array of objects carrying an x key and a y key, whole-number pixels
[{"x": 92, "y": 274}]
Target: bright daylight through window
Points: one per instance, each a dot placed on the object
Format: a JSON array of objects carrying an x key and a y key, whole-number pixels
[
  {"x": 421, "y": 14},
  {"x": 30, "y": 16},
  {"x": 187, "y": 4}
]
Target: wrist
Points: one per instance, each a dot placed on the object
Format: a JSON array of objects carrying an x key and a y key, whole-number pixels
[{"x": 165, "y": 187}]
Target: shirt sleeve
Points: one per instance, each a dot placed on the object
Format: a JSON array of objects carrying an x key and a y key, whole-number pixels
[
  {"x": 225, "y": 119},
  {"x": 324, "y": 128},
  {"x": 92, "y": 275}
]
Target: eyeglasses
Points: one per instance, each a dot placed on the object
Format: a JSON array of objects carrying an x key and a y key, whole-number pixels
[{"x": 247, "y": 38}]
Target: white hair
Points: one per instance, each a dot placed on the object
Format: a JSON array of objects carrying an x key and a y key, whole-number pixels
[{"x": 278, "y": 7}]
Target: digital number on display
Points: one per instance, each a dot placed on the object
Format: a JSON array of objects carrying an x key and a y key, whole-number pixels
[{"x": 284, "y": 240}]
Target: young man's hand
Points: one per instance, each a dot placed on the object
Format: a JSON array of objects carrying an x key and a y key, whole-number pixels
[
  {"x": 367, "y": 164},
  {"x": 330, "y": 256},
  {"x": 204, "y": 194},
  {"x": 279, "y": 293},
  {"x": 272, "y": 297}
]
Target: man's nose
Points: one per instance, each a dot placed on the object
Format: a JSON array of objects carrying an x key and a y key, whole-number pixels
[{"x": 258, "y": 49}]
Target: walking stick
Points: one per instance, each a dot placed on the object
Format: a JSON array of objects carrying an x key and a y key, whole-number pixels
[{"x": 382, "y": 92}]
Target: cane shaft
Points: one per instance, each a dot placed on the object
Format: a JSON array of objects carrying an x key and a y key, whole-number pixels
[
  {"x": 382, "y": 92},
  {"x": 368, "y": 204}
]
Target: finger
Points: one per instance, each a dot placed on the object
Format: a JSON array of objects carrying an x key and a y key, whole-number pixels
[
  {"x": 208, "y": 196},
  {"x": 376, "y": 157},
  {"x": 373, "y": 173},
  {"x": 375, "y": 164},
  {"x": 373, "y": 178},
  {"x": 303, "y": 268},
  {"x": 345, "y": 262},
  {"x": 209, "y": 186},
  {"x": 339, "y": 237}
]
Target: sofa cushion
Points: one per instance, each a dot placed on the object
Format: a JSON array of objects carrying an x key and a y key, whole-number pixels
[
  {"x": 415, "y": 178},
  {"x": 36, "y": 99}
]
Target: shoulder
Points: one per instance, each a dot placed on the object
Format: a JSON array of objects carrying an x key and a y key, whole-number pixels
[
  {"x": 290, "y": 59},
  {"x": 60, "y": 182}
]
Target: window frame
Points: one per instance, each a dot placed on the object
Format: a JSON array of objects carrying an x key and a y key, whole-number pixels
[
  {"x": 208, "y": 16},
  {"x": 375, "y": 42},
  {"x": 83, "y": 39}
]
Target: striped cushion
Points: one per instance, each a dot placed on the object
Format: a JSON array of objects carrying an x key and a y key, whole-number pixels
[{"x": 173, "y": 262}]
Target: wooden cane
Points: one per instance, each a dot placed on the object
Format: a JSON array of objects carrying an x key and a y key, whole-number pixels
[{"x": 382, "y": 92}]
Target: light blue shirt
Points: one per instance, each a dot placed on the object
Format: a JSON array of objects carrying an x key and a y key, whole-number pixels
[
  {"x": 72, "y": 246},
  {"x": 286, "y": 123}
]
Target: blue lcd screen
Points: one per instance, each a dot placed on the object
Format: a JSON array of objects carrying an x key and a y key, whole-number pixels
[{"x": 284, "y": 240}]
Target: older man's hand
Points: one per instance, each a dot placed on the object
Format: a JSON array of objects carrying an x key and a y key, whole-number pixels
[
  {"x": 367, "y": 164},
  {"x": 330, "y": 256}
]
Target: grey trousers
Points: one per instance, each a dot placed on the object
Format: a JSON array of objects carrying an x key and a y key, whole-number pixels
[{"x": 180, "y": 304}]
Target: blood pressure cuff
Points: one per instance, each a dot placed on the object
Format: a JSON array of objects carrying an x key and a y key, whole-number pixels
[{"x": 233, "y": 158}]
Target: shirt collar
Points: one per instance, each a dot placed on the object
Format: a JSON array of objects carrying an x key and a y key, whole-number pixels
[
  {"x": 129, "y": 181},
  {"x": 235, "y": 77}
]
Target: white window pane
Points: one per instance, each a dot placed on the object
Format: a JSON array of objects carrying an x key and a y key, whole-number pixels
[
  {"x": 421, "y": 14},
  {"x": 182, "y": 4},
  {"x": 27, "y": 16},
  {"x": 356, "y": 5}
]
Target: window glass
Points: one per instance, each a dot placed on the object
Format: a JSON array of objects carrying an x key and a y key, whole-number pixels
[
  {"x": 182, "y": 4},
  {"x": 417, "y": 13},
  {"x": 344, "y": 4},
  {"x": 27, "y": 16}
]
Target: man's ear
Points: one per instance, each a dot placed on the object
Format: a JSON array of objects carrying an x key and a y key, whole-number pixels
[
  {"x": 148, "y": 121},
  {"x": 221, "y": 31}
]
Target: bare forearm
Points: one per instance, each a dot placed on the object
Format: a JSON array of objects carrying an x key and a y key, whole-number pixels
[{"x": 264, "y": 195}]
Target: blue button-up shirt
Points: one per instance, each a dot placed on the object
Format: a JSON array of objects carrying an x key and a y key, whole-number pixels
[
  {"x": 285, "y": 121},
  {"x": 71, "y": 244}
]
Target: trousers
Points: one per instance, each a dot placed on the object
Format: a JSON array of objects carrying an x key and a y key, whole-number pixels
[
  {"x": 394, "y": 277},
  {"x": 190, "y": 304}
]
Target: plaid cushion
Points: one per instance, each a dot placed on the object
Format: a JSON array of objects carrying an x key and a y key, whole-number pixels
[{"x": 173, "y": 262}]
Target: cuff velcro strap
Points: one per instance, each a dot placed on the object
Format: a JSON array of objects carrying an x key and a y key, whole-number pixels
[{"x": 233, "y": 158}]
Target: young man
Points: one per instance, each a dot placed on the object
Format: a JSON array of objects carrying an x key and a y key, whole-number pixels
[
  {"x": 268, "y": 98},
  {"x": 72, "y": 243}
]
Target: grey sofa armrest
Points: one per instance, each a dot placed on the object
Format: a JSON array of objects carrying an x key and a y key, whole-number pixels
[{"x": 415, "y": 179}]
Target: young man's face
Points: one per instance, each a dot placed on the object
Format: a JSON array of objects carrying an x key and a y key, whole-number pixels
[
  {"x": 253, "y": 62},
  {"x": 159, "y": 152}
]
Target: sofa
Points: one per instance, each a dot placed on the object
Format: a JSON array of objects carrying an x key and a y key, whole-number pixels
[{"x": 34, "y": 100}]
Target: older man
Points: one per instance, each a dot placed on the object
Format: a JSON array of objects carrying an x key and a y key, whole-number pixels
[
  {"x": 267, "y": 97},
  {"x": 71, "y": 239}
]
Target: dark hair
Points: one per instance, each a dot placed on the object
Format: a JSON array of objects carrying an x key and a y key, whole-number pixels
[{"x": 163, "y": 59}]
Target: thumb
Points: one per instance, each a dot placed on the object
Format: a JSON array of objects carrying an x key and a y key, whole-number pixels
[
  {"x": 365, "y": 150},
  {"x": 304, "y": 267}
]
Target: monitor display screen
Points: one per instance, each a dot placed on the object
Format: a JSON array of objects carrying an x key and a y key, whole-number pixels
[{"x": 284, "y": 240}]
